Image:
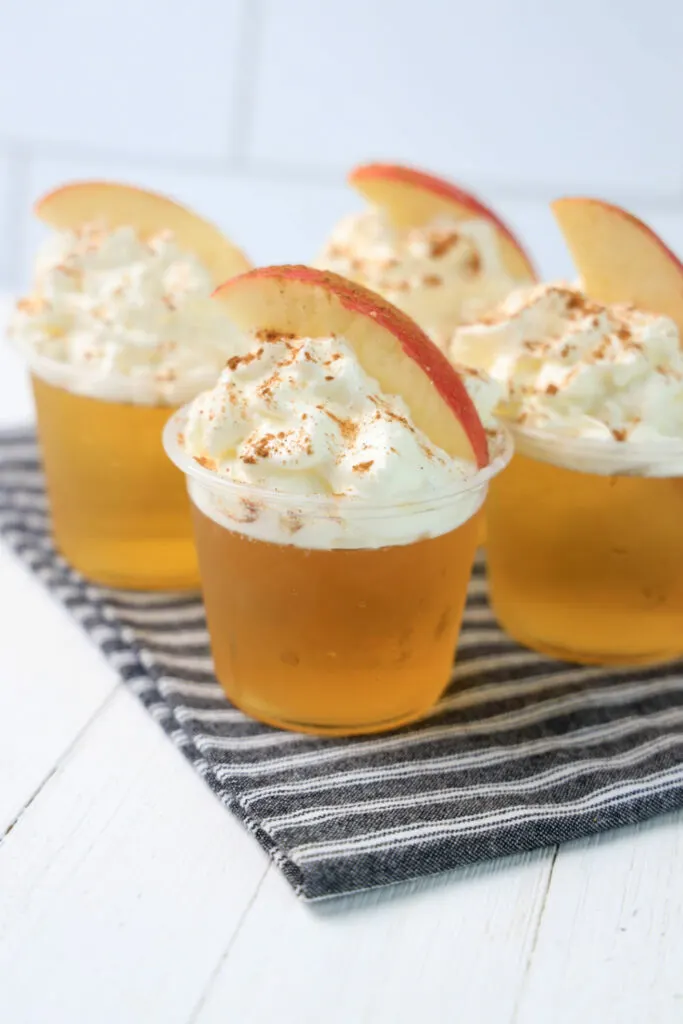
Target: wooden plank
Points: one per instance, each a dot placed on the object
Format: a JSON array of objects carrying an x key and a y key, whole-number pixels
[
  {"x": 52, "y": 681},
  {"x": 451, "y": 948},
  {"x": 122, "y": 884},
  {"x": 610, "y": 944}
]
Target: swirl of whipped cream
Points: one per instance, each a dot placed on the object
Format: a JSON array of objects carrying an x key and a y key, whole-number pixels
[
  {"x": 441, "y": 273},
  {"x": 121, "y": 318},
  {"x": 301, "y": 417},
  {"x": 578, "y": 369}
]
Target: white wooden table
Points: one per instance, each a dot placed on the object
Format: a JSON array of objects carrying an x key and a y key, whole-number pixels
[{"x": 129, "y": 896}]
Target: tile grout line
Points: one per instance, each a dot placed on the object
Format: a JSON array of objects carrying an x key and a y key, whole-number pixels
[
  {"x": 61, "y": 761},
  {"x": 245, "y": 81},
  {"x": 270, "y": 172},
  {"x": 534, "y": 940},
  {"x": 201, "y": 1002}
]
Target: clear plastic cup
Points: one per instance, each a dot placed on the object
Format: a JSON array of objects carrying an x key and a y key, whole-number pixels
[
  {"x": 120, "y": 513},
  {"x": 312, "y": 629},
  {"x": 585, "y": 548}
]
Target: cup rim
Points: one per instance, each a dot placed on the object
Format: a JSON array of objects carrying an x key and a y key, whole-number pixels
[
  {"x": 600, "y": 456},
  {"x": 115, "y": 387},
  {"x": 192, "y": 469},
  {"x": 665, "y": 445}
]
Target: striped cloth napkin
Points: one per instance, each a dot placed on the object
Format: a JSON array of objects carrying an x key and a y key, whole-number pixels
[{"x": 521, "y": 752}]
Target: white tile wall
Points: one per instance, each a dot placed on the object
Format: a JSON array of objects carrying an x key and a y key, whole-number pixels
[
  {"x": 522, "y": 93},
  {"x": 5, "y": 219},
  {"x": 153, "y": 78},
  {"x": 253, "y": 110}
]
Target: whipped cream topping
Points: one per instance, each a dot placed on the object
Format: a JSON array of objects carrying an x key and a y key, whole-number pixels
[
  {"x": 441, "y": 273},
  {"x": 576, "y": 368},
  {"x": 300, "y": 417},
  {"x": 122, "y": 318}
]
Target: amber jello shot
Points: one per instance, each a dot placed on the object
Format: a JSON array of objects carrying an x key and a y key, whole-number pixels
[
  {"x": 433, "y": 249},
  {"x": 336, "y": 522},
  {"x": 585, "y": 549},
  {"x": 119, "y": 331},
  {"x": 585, "y": 545}
]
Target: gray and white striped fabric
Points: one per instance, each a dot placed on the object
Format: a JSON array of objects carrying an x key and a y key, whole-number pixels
[{"x": 521, "y": 752}]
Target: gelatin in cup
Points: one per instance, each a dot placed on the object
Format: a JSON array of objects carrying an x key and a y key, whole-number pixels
[
  {"x": 119, "y": 509},
  {"x": 327, "y": 617},
  {"x": 585, "y": 548}
]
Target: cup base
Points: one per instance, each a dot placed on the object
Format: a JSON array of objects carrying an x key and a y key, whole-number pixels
[
  {"x": 325, "y": 729},
  {"x": 122, "y": 582},
  {"x": 134, "y": 566},
  {"x": 607, "y": 658}
]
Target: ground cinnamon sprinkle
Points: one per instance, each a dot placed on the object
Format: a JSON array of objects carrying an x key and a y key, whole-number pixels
[
  {"x": 32, "y": 305},
  {"x": 574, "y": 301},
  {"x": 442, "y": 244},
  {"x": 262, "y": 447},
  {"x": 265, "y": 389},
  {"x": 292, "y": 522},
  {"x": 432, "y": 281},
  {"x": 391, "y": 415},
  {"x": 348, "y": 428},
  {"x": 473, "y": 264},
  {"x": 272, "y": 334},
  {"x": 363, "y": 467},
  {"x": 552, "y": 389},
  {"x": 236, "y": 361},
  {"x": 619, "y": 434},
  {"x": 251, "y": 510}
]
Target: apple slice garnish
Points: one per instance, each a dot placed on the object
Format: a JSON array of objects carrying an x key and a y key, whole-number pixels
[
  {"x": 410, "y": 198},
  {"x": 619, "y": 258},
  {"x": 391, "y": 348},
  {"x": 114, "y": 205}
]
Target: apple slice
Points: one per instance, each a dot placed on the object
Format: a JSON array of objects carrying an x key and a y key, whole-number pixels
[
  {"x": 619, "y": 258},
  {"x": 116, "y": 205},
  {"x": 410, "y": 198},
  {"x": 389, "y": 345}
]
